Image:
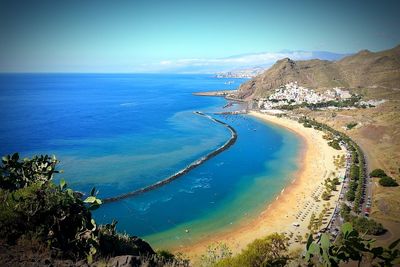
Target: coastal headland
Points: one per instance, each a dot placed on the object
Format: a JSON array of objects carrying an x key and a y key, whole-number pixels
[
  {"x": 215, "y": 93},
  {"x": 227, "y": 94},
  {"x": 282, "y": 214}
]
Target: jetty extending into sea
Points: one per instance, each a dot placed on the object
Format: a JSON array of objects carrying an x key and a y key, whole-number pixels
[{"x": 185, "y": 170}]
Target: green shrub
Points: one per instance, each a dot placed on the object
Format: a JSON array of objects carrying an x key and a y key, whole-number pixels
[
  {"x": 215, "y": 253},
  {"x": 111, "y": 243},
  {"x": 367, "y": 226},
  {"x": 352, "y": 246},
  {"x": 325, "y": 196},
  {"x": 335, "y": 144},
  {"x": 378, "y": 173},
  {"x": 354, "y": 156},
  {"x": 269, "y": 251},
  {"x": 354, "y": 172},
  {"x": 353, "y": 185},
  {"x": 15, "y": 174},
  {"x": 166, "y": 255},
  {"x": 345, "y": 212},
  {"x": 351, "y": 125},
  {"x": 48, "y": 213},
  {"x": 350, "y": 195},
  {"x": 388, "y": 181},
  {"x": 361, "y": 224}
]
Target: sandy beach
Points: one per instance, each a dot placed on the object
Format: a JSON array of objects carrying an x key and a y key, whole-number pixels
[{"x": 295, "y": 203}]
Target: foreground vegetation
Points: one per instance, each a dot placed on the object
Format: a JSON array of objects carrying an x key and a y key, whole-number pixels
[
  {"x": 35, "y": 208},
  {"x": 273, "y": 251}
]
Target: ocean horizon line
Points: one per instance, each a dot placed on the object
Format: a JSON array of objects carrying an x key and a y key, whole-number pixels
[{"x": 105, "y": 73}]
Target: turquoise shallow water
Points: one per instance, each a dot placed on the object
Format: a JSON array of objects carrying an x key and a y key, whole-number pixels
[{"x": 122, "y": 132}]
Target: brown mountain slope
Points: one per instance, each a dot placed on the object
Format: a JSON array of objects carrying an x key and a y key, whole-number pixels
[{"x": 364, "y": 69}]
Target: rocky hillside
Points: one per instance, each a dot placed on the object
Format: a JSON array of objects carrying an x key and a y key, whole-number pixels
[{"x": 364, "y": 69}]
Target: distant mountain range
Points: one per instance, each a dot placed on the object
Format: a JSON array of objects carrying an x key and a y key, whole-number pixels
[
  {"x": 244, "y": 63},
  {"x": 269, "y": 59},
  {"x": 362, "y": 69}
]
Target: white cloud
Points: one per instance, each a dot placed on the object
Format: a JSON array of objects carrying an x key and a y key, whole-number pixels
[
  {"x": 221, "y": 64},
  {"x": 211, "y": 65}
]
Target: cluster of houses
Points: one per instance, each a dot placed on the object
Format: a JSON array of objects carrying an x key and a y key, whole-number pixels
[
  {"x": 372, "y": 102},
  {"x": 293, "y": 94}
]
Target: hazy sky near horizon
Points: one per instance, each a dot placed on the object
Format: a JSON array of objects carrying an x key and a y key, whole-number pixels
[{"x": 140, "y": 35}]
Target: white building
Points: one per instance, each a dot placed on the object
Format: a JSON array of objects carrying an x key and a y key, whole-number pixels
[{"x": 293, "y": 94}]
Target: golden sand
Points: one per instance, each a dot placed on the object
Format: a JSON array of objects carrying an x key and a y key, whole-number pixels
[{"x": 317, "y": 164}]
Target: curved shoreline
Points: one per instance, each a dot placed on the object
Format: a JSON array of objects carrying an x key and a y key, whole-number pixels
[
  {"x": 315, "y": 163},
  {"x": 185, "y": 170}
]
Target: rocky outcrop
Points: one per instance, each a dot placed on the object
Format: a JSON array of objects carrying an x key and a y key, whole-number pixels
[
  {"x": 124, "y": 261},
  {"x": 34, "y": 253}
]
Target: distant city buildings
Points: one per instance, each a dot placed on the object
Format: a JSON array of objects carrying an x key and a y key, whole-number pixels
[{"x": 242, "y": 73}]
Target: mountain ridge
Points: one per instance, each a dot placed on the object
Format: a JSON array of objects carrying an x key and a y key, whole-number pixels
[{"x": 363, "y": 69}]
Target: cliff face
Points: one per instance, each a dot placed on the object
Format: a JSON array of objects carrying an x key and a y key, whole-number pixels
[{"x": 360, "y": 70}]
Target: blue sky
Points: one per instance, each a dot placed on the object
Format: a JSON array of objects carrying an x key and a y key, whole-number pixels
[{"x": 142, "y": 35}]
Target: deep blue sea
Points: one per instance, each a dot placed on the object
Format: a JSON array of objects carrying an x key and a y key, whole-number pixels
[{"x": 121, "y": 132}]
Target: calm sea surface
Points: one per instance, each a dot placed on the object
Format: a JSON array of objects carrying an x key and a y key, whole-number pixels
[{"x": 120, "y": 132}]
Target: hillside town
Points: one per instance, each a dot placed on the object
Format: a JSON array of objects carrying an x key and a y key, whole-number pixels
[{"x": 292, "y": 95}]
